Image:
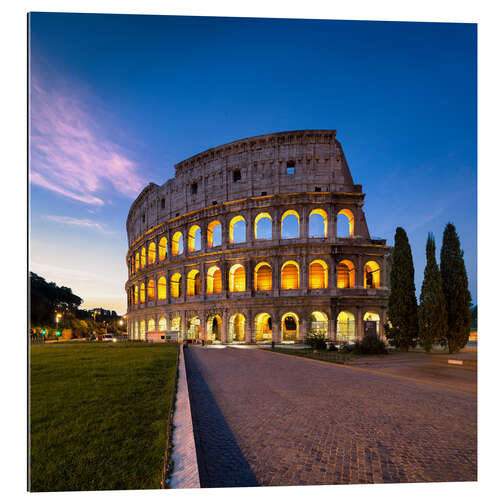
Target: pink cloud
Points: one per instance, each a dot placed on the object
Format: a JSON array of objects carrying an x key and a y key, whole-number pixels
[{"x": 70, "y": 156}]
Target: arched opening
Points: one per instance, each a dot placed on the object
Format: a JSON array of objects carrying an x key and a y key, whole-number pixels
[
  {"x": 176, "y": 285},
  {"x": 137, "y": 262},
  {"x": 142, "y": 292},
  {"x": 371, "y": 322},
  {"x": 193, "y": 328},
  {"x": 345, "y": 223},
  {"x": 143, "y": 257},
  {"x": 151, "y": 290},
  {"x": 142, "y": 333},
  {"x": 162, "y": 248},
  {"x": 151, "y": 253},
  {"x": 290, "y": 224},
  {"x": 290, "y": 275},
  {"x": 317, "y": 324},
  {"x": 318, "y": 223},
  {"x": 193, "y": 282},
  {"x": 237, "y": 328},
  {"x": 162, "y": 324},
  {"x": 194, "y": 239},
  {"x": 177, "y": 244},
  {"x": 263, "y": 227},
  {"x": 175, "y": 324},
  {"x": 136, "y": 294},
  {"x": 289, "y": 327},
  {"x": 136, "y": 331},
  {"x": 237, "y": 278},
  {"x": 162, "y": 288},
  {"x": 345, "y": 274},
  {"x": 214, "y": 234},
  {"x": 318, "y": 274},
  {"x": 214, "y": 280},
  {"x": 346, "y": 327},
  {"x": 214, "y": 328},
  {"x": 151, "y": 325},
  {"x": 263, "y": 328},
  {"x": 237, "y": 230},
  {"x": 371, "y": 275},
  {"x": 263, "y": 276}
]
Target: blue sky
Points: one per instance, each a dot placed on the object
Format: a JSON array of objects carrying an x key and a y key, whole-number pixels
[{"x": 117, "y": 100}]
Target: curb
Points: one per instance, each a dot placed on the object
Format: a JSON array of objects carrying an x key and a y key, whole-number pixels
[{"x": 186, "y": 473}]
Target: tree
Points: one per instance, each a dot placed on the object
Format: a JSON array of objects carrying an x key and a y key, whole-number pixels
[
  {"x": 432, "y": 318},
  {"x": 456, "y": 290},
  {"x": 402, "y": 313}
]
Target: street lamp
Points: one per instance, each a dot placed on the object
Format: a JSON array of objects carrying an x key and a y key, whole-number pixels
[{"x": 58, "y": 317}]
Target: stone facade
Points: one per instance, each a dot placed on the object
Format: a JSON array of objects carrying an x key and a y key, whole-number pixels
[{"x": 311, "y": 282}]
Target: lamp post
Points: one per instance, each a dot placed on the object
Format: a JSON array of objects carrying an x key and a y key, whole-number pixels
[{"x": 58, "y": 317}]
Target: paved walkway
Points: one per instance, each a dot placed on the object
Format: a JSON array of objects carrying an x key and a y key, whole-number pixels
[{"x": 267, "y": 419}]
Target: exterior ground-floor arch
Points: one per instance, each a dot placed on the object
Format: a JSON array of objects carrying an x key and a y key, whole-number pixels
[
  {"x": 263, "y": 327},
  {"x": 214, "y": 328},
  {"x": 317, "y": 324},
  {"x": 236, "y": 328},
  {"x": 346, "y": 327},
  {"x": 289, "y": 327},
  {"x": 193, "y": 328}
]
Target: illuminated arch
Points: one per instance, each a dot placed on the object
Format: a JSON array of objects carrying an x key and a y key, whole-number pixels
[
  {"x": 263, "y": 276},
  {"x": 237, "y": 282},
  {"x": 346, "y": 327},
  {"x": 214, "y": 280},
  {"x": 214, "y": 328},
  {"x": 162, "y": 248},
  {"x": 263, "y": 327},
  {"x": 318, "y": 223},
  {"x": 371, "y": 275},
  {"x": 176, "y": 285},
  {"x": 143, "y": 257},
  {"x": 142, "y": 335},
  {"x": 290, "y": 279},
  {"x": 370, "y": 316},
  {"x": 175, "y": 324},
  {"x": 237, "y": 229},
  {"x": 346, "y": 274},
  {"x": 136, "y": 331},
  {"x": 142, "y": 292},
  {"x": 289, "y": 327},
  {"x": 318, "y": 274},
  {"x": 137, "y": 261},
  {"x": 237, "y": 328},
  {"x": 194, "y": 239},
  {"x": 151, "y": 290},
  {"x": 318, "y": 324},
  {"x": 151, "y": 253},
  {"x": 263, "y": 226},
  {"x": 162, "y": 288},
  {"x": 350, "y": 220},
  {"x": 136, "y": 294},
  {"x": 214, "y": 234},
  {"x": 290, "y": 228},
  {"x": 151, "y": 325},
  {"x": 193, "y": 328},
  {"x": 177, "y": 243},
  {"x": 193, "y": 282},
  {"x": 162, "y": 324}
]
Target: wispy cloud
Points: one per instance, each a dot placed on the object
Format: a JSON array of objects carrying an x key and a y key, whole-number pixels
[
  {"x": 69, "y": 153},
  {"x": 73, "y": 221}
]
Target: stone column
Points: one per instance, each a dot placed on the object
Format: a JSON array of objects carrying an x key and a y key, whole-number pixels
[
  {"x": 249, "y": 234},
  {"x": 276, "y": 224},
  {"x": 276, "y": 263},
  {"x": 224, "y": 327},
  {"x": 250, "y": 266},
  {"x": 276, "y": 322},
  {"x": 304, "y": 223},
  {"x": 224, "y": 220},
  {"x": 331, "y": 224},
  {"x": 359, "y": 272},
  {"x": 303, "y": 274},
  {"x": 359, "y": 323},
  {"x": 248, "y": 326}
]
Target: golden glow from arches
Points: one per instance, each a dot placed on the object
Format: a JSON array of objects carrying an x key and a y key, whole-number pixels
[
  {"x": 293, "y": 214},
  {"x": 143, "y": 329},
  {"x": 318, "y": 274},
  {"x": 176, "y": 285},
  {"x": 263, "y": 328},
  {"x": 237, "y": 328},
  {"x": 162, "y": 324},
  {"x": 193, "y": 327},
  {"x": 194, "y": 239},
  {"x": 321, "y": 213},
  {"x": 290, "y": 275},
  {"x": 263, "y": 276},
  {"x": 214, "y": 234},
  {"x": 193, "y": 282},
  {"x": 142, "y": 292},
  {"x": 289, "y": 327},
  {"x": 162, "y": 248},
  {"x": 137, "y": 262},
  {"x": 136, "y": 294},
  {"x": 259, "y": 229},
  {"x": 318, "y": 323},
  {"x": 237, "y": 282},
  {"x": 214, "y": 280},
  {"x": 151, "y": 325},
  {"x": 177, "y": 243},
  {"x": 151, "y": 290},
  {"x": 143, "y": 257},
  {"x": 350, "y": 218},
  {"x": 371, "y": 272},
  {"x": 151, "y": 253},
  {"x": 232, "y": 224},
  {"x": 345, "y": 274},
  {"x": 346, "y": 327},
  {"x": 162, "y": 288},
  {"x": 214, "y": 328}
]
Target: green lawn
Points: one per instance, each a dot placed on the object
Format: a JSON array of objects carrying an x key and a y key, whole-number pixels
[{"x": 99, "y": 415}]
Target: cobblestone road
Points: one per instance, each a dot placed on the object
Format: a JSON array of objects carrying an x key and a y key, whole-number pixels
[{"x": 267, "y": 419}]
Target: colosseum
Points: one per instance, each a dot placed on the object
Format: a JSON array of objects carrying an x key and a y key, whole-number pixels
[{"x": 259, "y": 240}]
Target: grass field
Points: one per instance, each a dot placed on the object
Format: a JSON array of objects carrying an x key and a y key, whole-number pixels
[{"x": 99, "y": 415}]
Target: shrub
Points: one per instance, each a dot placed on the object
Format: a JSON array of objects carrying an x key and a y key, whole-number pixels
[
  {"x": 371, "y": 344},
  {"x": 316, "y": 341}
]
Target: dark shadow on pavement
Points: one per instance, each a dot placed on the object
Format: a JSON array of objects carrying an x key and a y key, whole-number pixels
[{"x": 220, "y": 460}]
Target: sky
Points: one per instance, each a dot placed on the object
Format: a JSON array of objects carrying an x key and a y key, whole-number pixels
[{"x": 116, "y": 100}]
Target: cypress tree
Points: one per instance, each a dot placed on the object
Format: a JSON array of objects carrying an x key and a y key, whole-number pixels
[
  {"x": 456, "y": 290},
  {"x": 432, "y": 320},
  {"x": 402, "y": 311}
]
